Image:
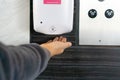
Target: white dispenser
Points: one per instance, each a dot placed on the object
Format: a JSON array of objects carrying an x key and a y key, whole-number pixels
[
  {"x": 53, "y": 17},
  {"x": 99, "y": 22}
]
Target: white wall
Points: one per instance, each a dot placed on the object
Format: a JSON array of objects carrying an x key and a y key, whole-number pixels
[{"x": 14, "y": 21}]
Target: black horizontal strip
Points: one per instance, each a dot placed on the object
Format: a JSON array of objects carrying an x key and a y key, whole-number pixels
[
  {"x": 86, "y": 63},
  {"x": 78, "y": 78}
]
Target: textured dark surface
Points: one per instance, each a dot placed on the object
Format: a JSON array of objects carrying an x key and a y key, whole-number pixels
[{"x": 80, "y": 62}]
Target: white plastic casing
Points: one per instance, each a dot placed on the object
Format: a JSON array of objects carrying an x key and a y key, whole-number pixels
[
  {"x": 99, "y": 30},
  {"x": 53, "y": 18}
]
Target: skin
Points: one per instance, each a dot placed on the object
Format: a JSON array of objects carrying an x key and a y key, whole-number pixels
[{"x": 57, "y": 45}]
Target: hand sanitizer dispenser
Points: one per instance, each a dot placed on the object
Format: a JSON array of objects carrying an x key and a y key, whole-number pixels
[
  {"x": 53, "y": 17},
  {"x": 99, "y": 22}
]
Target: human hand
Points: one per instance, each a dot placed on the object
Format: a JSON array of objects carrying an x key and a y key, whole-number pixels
[{"x": 57, "y": 46}]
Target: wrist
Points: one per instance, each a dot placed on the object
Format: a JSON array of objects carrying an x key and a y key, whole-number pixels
[{"x": 48, "y": 48}]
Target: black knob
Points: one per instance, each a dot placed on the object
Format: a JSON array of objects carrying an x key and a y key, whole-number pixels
[
  {"x": 101, "y": 0},
  {"x": 92, "y": 13},
  {"x": 109, "y": 13}
]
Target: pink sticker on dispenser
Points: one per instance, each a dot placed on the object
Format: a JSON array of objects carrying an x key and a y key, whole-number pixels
[{"x": 52, "y": 1}]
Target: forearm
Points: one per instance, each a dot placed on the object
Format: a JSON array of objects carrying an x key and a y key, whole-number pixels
[{"x": 25, "y": 61}]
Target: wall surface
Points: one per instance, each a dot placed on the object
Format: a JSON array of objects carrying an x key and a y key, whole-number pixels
[{"x": 14, "y": 21}]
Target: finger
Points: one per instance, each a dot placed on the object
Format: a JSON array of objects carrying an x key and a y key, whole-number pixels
[
  {"x": 67, "y": 45},
  {"x": 60, "y": 38},
  {"x": 49, "y": 41},
  {"x": 64, "y": 39},
  {"x": 56, "y": 39}
]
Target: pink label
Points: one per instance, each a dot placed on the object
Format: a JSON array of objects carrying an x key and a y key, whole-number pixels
[{"x": 52, "y": 1}]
